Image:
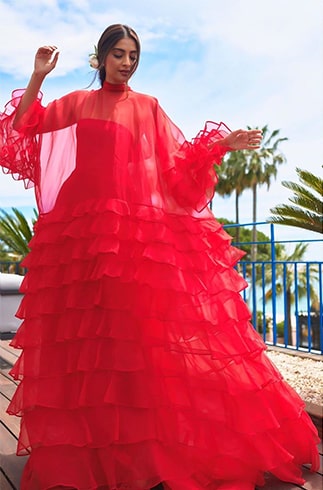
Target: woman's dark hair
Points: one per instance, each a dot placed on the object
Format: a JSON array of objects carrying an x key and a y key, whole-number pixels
[{"x": 108, "y": 39}]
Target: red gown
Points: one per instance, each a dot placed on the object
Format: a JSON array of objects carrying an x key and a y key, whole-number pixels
[{"x": 139, "y": 363}]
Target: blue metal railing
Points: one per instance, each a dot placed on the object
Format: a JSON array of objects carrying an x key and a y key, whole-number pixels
[
  {"x": 12, "y": 267},
  {"x": 285, "y": 296}
]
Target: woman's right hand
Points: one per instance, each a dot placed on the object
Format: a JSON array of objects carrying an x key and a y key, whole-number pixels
[{"x": 45, "y": 59}]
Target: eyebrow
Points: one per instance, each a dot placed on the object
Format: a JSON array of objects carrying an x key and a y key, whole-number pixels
[{"x": 123, "y": 50}]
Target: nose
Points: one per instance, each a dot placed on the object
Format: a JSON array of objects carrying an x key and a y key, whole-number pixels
[{"x": 127, "y": 60}]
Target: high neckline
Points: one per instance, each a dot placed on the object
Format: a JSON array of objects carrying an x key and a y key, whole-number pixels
[{"x": 115, "y": 87}]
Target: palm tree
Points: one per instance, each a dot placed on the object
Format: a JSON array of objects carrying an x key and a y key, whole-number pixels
[
  {"x": 3, "y": 252},
  {"x": 285, "y": 283},
  {"x": 261, "y": 167},
  {"x": 232, "y": 178},
  {"x": 15, "y": 232},
  {"x": 307, "y": 209}
]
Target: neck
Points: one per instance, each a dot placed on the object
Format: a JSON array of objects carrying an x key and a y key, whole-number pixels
[{"x": 115, "y": 87}]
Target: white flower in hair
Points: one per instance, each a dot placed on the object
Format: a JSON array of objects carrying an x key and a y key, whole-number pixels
[{"x": 93, "y": 59}]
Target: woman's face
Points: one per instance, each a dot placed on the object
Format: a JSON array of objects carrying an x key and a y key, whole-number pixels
[{"x": 120, "y": 61}]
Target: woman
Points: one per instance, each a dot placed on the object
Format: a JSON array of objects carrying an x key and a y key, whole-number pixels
[{"x": 139, "y": 364}]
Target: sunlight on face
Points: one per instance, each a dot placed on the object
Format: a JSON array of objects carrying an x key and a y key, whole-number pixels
[{"x": 121, "y": 61}]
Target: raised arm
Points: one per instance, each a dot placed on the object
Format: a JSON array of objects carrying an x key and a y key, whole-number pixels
[{"x": 45, "y": 61}]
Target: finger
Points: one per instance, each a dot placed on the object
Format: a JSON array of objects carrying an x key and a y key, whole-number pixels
[
  {"x": 47, "y": 50},
  {"x": 253, "y": 146},
  {"x": 253, "y": 135},
  {"x": 50, "y": 47},
  {"x": 254, "y": 131},
  {"x": 55, "y": 58}
]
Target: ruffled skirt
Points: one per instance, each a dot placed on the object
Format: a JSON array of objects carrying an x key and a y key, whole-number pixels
[{"x": 139, "y": 364}]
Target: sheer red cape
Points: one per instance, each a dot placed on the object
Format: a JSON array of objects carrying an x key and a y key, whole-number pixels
[{"x": 156, "y": 156}]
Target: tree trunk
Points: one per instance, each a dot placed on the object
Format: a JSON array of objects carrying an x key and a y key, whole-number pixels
[
  {"x": 289, "y": 317},
  {"x": 254, "y": 228},
  {"x": 237, "y": 217}
]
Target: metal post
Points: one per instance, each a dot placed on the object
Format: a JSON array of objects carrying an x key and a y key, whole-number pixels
[{"x": 273, "y": 281}]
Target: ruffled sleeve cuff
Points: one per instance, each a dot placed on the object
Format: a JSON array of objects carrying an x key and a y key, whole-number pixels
[
  {"x": 193, "y": 177},
  {"x": 20, "y": 148}
]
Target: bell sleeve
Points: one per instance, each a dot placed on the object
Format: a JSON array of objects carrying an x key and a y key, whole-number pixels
[
  {"x": 20, "y": 149},
  {"x": 188, "y": 167},
  {"x": 41, "y": 151}
]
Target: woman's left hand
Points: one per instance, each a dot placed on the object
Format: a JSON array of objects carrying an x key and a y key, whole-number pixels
[{"x": 243, "y": 139}]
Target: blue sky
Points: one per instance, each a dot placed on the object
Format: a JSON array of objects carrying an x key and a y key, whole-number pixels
[{"x": 245, "y": 62}]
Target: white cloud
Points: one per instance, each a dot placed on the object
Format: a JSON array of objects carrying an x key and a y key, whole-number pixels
[
  {"x": 278, "y": 29},
  {"x": 242, "y": 61}
]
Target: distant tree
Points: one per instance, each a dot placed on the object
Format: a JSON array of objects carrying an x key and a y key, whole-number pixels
[
  {"x": 306, "y": 210},
  {"x": 261, "y": 168},
  {"x": 3, "y": 252},
  {"x": 15, "y": 233},
  {"x": 250, "y": 169},
  {"x": 285, "y": 283},
  {"x": 232, "y": 179},
  {"x": 245, "y": 243}
]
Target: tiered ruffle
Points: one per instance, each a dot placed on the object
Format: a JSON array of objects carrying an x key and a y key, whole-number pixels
[{"x": 139, "y": 364}]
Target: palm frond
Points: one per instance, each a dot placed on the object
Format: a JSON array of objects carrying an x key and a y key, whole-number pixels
[
  {"x": 301, "y": 190},
  {"x": 297, "y": 217},
  {"x": 306, "y": 210},
  {"x": 311, "y": 180},
  {"x": 15, "y": 231},
  {"x": 312, "y": 205}
]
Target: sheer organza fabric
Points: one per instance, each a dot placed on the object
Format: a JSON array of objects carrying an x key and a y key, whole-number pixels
[
  {"x": 50, "y": 150},
  {"x": 139, "y": 363}
]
